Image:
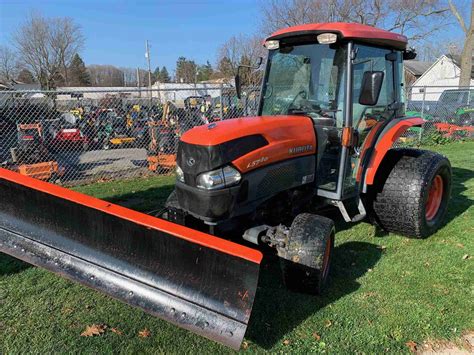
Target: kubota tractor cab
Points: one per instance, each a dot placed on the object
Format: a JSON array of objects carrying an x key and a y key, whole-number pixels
[{"x": 330, "y": 110}]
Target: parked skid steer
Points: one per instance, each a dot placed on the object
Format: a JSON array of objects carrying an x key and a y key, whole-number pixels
[{"x": 330, "y": 110}]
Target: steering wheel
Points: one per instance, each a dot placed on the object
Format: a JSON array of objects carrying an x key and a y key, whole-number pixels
[{"x": 302, "y": 92}]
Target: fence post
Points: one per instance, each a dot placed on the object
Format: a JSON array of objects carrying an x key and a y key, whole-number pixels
[
  {"x": 220, "y": 100},
  {"x": 422, "y": 113}
]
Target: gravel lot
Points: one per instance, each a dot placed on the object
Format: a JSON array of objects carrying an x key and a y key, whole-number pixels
[{"x": 102, "y": 164}]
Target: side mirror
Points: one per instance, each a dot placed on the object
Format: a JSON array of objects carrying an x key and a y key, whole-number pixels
[
  {"x": 371, "y": 87},
  {"x": 237, "y": 76},
  {"x": 409, "y": 54},
  {"x": 237, "y": 85}
]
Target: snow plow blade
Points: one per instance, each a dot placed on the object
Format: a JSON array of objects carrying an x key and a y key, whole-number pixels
[{"x": 194, "y": 280}]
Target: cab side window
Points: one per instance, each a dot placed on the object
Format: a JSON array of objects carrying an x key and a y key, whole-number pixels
[{"x": 372, "y": 59}]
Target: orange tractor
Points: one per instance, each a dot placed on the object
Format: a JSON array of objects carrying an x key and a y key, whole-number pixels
[{"x": 330, "y": 110}]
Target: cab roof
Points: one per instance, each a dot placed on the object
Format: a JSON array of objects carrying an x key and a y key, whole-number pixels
[{"x": 356, "y": 31}]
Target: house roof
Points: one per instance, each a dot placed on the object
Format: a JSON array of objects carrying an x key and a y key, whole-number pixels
[
  {"x": 415, "y": 67},
  {"x": 357, "y": 31}
]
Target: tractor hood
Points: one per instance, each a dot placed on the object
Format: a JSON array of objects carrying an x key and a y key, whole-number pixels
[{"x": 246, "y": 143}]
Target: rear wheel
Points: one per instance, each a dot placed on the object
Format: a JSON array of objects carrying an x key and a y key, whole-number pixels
[
  {"x": 306, "y": 258},
  {"x": 413, "y": 200}
]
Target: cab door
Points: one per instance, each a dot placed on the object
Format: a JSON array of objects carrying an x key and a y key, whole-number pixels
[
  {"x": 367, "y": 117},
  {"x": 360, "y": 118}
]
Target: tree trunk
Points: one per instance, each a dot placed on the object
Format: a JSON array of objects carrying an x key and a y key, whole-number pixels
[{"x": 467, "y": 52}]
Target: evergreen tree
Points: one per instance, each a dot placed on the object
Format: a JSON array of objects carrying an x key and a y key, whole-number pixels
[
  {"x": 225, "y": 68},
  {"x": 156, "y": 73},
  {"x": 205, "y": 72},
  {"x": 164, "y": 76},
  {"x": 186, "y": 70},
  {"x": 78, "y": 74}
]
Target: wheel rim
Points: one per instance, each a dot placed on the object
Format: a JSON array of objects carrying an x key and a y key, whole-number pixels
[
  {"x": 327, "y": 255},
  {"x": 435, "y": 195}
]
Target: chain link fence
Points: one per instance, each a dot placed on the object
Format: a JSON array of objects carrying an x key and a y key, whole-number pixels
[
  {"x": 448, "y": 113},
  {"x": 80, "y": 136},
  {"x": 76, "y": 137}
]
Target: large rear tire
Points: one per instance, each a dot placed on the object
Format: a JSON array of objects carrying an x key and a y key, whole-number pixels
[
  {"x": 413, "y": 199},
  {"x": 307, "y": 254}
]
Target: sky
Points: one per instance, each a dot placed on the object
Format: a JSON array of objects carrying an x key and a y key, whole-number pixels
[{"x": 115, "y": 31}]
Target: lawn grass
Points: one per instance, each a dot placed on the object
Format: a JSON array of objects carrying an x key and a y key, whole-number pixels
[{"x": 385, "y": 290}]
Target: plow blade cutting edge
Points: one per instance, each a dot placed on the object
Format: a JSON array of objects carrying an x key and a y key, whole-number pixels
[{"x": 194, "y": 280}]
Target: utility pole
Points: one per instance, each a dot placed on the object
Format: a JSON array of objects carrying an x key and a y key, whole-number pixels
[
  {"x": 147, "y": 55},
  {"x": 138, "y": 83}
]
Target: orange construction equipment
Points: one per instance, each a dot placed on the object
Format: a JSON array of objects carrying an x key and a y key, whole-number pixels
[{"x": 330, "y": 111}]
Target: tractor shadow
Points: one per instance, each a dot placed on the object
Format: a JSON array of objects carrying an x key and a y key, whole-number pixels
[
  {"x": 9, "y": 265},
  {"x": 459, "y": 202},
  {"x": 277, "y": 311}
]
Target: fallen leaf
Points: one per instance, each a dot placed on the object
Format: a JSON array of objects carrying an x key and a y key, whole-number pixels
[
  {"x": 465, "y": 257},
  {"x": 412, "y": 345},
  {"x": 116, "y": 331},
  {"x": 145, "y": 333},
  {"x": 316, "y": 336},
  {"x": 94, "y": 329},
  {"x": 67, "y": 311},
  {"x": 460, "y": 245},
  {"x": 328, "y": 323},
  {"x": 245, "y": 345},
  {"x": 286, "y": 342}
]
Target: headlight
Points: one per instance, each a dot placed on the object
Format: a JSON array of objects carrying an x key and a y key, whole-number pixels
[
  {"x": 219, "y": 178},
  {"x": 179, "y": 174}
]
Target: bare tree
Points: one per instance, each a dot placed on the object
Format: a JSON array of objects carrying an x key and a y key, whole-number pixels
[
  {"x": 46, "y": 47},
  {"x": 416, "y": 19},
  {"x": 467, "y": 52},
  {"x": 8, "y": 64},
  {"x": 66, "y": 41},
  {"x": 241, "y": 50},
  {"x": 430, "y": 50},
  {"x": 106, "y": 75}
]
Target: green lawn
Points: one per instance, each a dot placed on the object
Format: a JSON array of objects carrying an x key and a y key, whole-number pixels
[{"x": 385, "y": 290}]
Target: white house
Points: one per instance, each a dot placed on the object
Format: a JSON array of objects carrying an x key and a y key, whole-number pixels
[{"x": 443, "y": 74}]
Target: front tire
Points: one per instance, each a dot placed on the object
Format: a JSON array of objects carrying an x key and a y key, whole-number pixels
[
  {"x": 305, "y": 261},
  {"x": 414, "y": 198}
]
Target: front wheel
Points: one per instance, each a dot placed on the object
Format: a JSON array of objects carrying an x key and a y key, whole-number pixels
[
  {"x": 414, "y": 198},
  {"x": 306, "y": 258}
]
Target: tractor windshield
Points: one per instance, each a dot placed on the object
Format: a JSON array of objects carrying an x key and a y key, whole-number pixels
[{"x": 305, "y": 79}]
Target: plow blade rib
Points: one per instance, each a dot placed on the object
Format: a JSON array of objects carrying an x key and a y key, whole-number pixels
[{"x": 194, "y": 280}]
